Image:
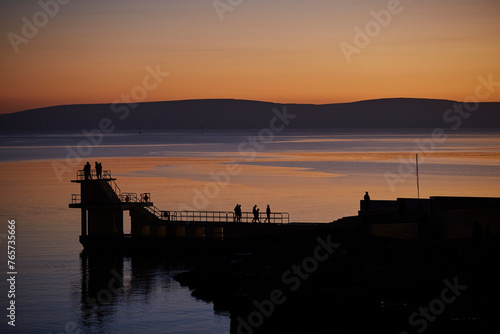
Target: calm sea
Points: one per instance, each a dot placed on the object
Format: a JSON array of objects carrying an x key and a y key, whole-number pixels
[{"x": 313, "y": 176}]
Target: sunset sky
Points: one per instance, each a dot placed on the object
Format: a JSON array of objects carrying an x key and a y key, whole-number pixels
[{"x": 289, "y": 51}]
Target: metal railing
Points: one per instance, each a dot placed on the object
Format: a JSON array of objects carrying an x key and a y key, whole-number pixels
[
  {"x": 128, "y": 197},
  {"x": 143, "y": 198},
  {"x": 115, "y": 187},
  {"x": 80, "y": 175},
  {"x": 180, "y": 216},
  {"x": 223, "y": 216},
  {"x": 106, "y": 175},
  {"x": 76, "y": 199},
  {"x": 155, "y": 211}
]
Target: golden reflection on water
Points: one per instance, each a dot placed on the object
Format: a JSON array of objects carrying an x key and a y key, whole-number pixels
[{"x": 31, "y": 188}]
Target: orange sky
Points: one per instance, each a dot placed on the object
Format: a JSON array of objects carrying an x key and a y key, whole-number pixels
[{"x": 280, "y": 51}]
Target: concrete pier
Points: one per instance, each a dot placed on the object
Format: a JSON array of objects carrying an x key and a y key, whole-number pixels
[{"x": 102, "y": 204}]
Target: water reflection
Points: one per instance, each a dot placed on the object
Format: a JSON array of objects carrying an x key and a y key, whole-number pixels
[
  {"x": 101, "y": 281},
  {"x": 120, "y": 294}
]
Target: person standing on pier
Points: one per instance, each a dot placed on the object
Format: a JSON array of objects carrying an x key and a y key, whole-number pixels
[
  {"x": 255, "y": 214},
  {"x": 86, "y": 171},
  {"x": 236, "y": 213},
  {"x": 239, "y": 213},
  {"x": 367, "y": 200},
  {"x": 268, "y": 214},
  {"x": 98, "y": 170}
]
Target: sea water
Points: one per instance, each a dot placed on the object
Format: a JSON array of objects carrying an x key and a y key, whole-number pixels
[{"x": 312, "y": 176}]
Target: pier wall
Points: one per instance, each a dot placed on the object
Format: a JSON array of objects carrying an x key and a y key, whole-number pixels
[
  {"x": 437, "y": 217},
  {"x": 210, "y": 230},
  {"x": 105, "y": 222}
]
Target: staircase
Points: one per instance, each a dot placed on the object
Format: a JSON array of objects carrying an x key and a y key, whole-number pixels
[
  {"x": 146, "y": 210},
  {"x": 111, "y": 195},
  {"x": 145, "y": 213}
]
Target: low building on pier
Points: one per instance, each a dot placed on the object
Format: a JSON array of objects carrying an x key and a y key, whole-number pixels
[{"x": 437, "y": 217}]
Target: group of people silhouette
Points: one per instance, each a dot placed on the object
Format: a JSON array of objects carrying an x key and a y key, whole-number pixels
[
  {"x": 237, "y": 213},
  {"x": 256, "y": 214},
  {"x": 87, "y": 170}
]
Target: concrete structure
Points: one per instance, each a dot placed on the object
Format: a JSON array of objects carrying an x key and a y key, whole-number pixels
[
  {"x": 437, "y": 217},
  {"x": 102, "y": 204}
]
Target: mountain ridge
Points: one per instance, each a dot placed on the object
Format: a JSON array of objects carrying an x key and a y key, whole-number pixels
[{"x": 251, "y": 114}]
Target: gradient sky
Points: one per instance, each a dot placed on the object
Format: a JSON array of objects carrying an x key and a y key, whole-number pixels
[{"x": 94, "y": 51}]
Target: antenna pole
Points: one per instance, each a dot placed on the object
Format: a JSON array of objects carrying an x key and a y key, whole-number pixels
[{"x": 418, "y": 186}]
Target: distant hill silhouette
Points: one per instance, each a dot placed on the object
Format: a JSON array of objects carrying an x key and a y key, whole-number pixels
[{"x": 243, "y": 114}]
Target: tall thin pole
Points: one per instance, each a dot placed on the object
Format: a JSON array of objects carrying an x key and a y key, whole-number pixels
[{"x": 418, "y": 186}]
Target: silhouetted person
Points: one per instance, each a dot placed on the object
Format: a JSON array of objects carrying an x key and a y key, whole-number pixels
[
  {"x": 236, "y": 213},
  {"x": 89, "y": 168},
  {"x": 367, "y": 201},
  {"x": 85, "y": 174},
  {"x": 255, "y": 214},
  {"x": 98, "y": 170},
  {"x": 239, "y": 214},
  {"x": 268, "y": 214},
  {"x": 127, "y": 199},
  {"x": 146, "y": 197},
  {"x": 86, "y": 171}
]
